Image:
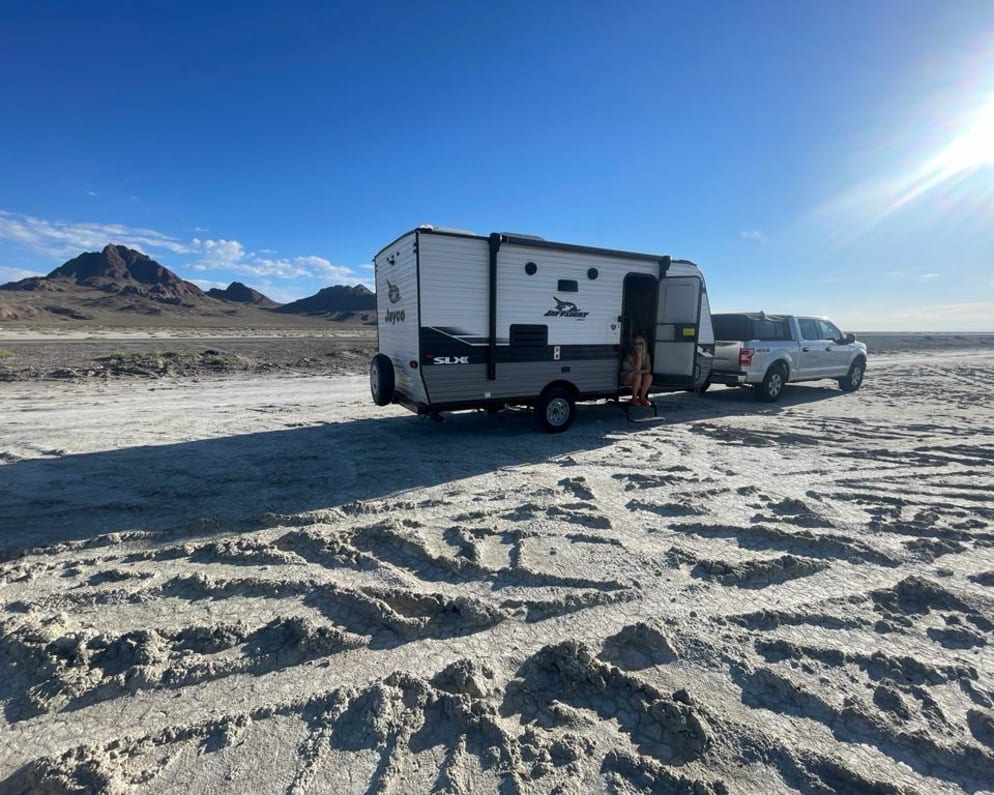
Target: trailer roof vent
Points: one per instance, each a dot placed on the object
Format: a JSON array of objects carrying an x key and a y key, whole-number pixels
[
  {"x": 523, "y": 237},
  {"x": 447, "y": 229}
]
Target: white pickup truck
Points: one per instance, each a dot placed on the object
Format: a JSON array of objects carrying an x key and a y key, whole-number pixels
[{"x": 768, "y": 351}]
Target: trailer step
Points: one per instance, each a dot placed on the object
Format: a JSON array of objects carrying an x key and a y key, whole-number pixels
[
  {"x": 638, "y": 410},
  {"x": 635, "y": 413}
]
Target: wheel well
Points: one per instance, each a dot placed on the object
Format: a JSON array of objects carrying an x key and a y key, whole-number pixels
[
  {"x": 567, "y": 385},
  {"x": 782, "y": 364}
]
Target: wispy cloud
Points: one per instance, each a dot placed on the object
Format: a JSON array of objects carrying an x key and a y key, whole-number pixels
[
  {"x": 230, "y": 255},
  {"x": 215, "y": 254},
  {"x": 278, "y": 292},
  {"x": 753, "y": 235},
  {"x": 913, "y": 277},
  {"x": 207, "y": 284},
  {"x": 16, "y": 274},
  {"x": 65, "y": 239}
]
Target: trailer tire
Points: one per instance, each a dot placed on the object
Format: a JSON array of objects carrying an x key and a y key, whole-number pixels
[
  {"x": 381, "y": 380},
  {"x": 556, "y": 409},
  {"x": 854, "y": 378},
  {"x": 771, "y": 388}
]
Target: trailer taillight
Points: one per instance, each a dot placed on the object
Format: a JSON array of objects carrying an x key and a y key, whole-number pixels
[{"x": 745, "y": 356}]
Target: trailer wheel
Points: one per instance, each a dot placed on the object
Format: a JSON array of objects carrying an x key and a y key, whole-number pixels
[
  {"x": 381, "y": 379},
  {"x": 556, "y": 409}
]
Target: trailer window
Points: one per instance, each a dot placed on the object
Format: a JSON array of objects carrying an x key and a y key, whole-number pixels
[
  {"x": 527, "y": 339},
  {"x": 568, "y": 286}
]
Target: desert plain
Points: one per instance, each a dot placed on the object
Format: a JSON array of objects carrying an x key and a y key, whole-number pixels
[{"x": 223, "y": 569}]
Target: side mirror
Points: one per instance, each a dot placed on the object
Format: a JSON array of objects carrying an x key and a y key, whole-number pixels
[{"x": 850, "y": 338}]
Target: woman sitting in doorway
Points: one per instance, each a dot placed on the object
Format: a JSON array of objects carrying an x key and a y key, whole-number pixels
[{"x": 636, "y": 372}]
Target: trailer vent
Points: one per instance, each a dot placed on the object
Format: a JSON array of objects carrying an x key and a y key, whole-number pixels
[
  {"x": 568, "y": 286},
  {"x": 526, "y": 340}
]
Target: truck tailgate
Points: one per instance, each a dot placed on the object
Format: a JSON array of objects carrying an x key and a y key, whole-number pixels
[{"x": 726, "y": 356}]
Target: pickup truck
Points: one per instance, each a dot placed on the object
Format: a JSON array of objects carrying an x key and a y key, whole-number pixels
[{"x": 768, "y": 351}]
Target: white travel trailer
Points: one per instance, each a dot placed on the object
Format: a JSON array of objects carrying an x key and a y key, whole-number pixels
[{"x": 466, "y": 321}]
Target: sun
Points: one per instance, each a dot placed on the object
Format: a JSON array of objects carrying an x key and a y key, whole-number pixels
[{"x": 973, "y": 147}]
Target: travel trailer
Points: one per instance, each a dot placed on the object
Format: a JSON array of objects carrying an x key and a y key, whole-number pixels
[{"x": 466, "y": 321}]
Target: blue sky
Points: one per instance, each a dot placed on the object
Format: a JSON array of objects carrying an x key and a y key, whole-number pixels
[{"x": 826, "y": 157}]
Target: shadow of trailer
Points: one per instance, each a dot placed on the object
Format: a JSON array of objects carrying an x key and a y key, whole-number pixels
[{"x": 468, "y": 322}]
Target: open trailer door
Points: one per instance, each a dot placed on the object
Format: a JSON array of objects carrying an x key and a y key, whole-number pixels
[{"x": 677, "y": 330}]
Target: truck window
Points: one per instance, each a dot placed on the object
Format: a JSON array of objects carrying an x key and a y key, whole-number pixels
[
  {"x": 731, "y": 327},
  {"x": 809, "y": 328},
  {"x": 829, "y": 331},
  {"x": 766, "y": 329}
]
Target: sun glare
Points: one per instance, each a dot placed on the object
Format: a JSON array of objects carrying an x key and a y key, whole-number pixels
[
  {"x": 971, "y": 149},
  {"x": 974, "y": 147}
]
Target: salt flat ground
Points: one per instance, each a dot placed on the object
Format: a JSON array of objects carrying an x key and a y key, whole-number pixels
[{"x": 264, "y": 583}]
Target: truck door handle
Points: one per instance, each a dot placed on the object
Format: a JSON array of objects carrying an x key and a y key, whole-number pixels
[
  {"x": 806, "y": 350},
  {"x": 828, "y": 348}
]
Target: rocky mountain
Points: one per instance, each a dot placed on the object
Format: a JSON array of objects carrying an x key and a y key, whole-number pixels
[
  {"x": 119, "y": 286},
  {"x": 242, "y": 294},
  {"x": 11, "y": 310},
  {"x": 334, "y": 300},
  {"x": 119, "y": 270}
]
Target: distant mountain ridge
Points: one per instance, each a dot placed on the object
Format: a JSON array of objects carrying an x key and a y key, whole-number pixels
[
  {"x": 242, "y": 294},
  {"x": 330, "y": 300},
  {"x": 116, "y": 269},
  {"x": 116, "y": 283}
]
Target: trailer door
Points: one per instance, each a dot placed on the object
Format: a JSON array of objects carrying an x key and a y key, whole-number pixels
[{"x": 677, "y": 330}]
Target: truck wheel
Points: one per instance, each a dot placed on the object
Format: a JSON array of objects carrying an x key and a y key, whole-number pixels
[
  {"x": 381, "y": 379},
  {"x": 556, "y": 410},
  {"x": 854, "y": 378},
  {"x": 773, "y": 383}
]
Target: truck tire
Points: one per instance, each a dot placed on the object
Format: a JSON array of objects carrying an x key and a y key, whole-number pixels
[
  {"x": 381, "y": 380},
  {"x": 854, "y": 378},
  {"x": 771, "y": 388},
  {"x": 555, "y": 410}
]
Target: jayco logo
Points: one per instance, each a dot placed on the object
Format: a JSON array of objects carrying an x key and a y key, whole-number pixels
[
  {"x": 394, "y": 316},
  {"x": 393, "y": 292},
  {"x": 566, "y": 309}
]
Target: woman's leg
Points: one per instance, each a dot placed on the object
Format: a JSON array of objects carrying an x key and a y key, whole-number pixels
[{"x": 631, "y": 380}]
